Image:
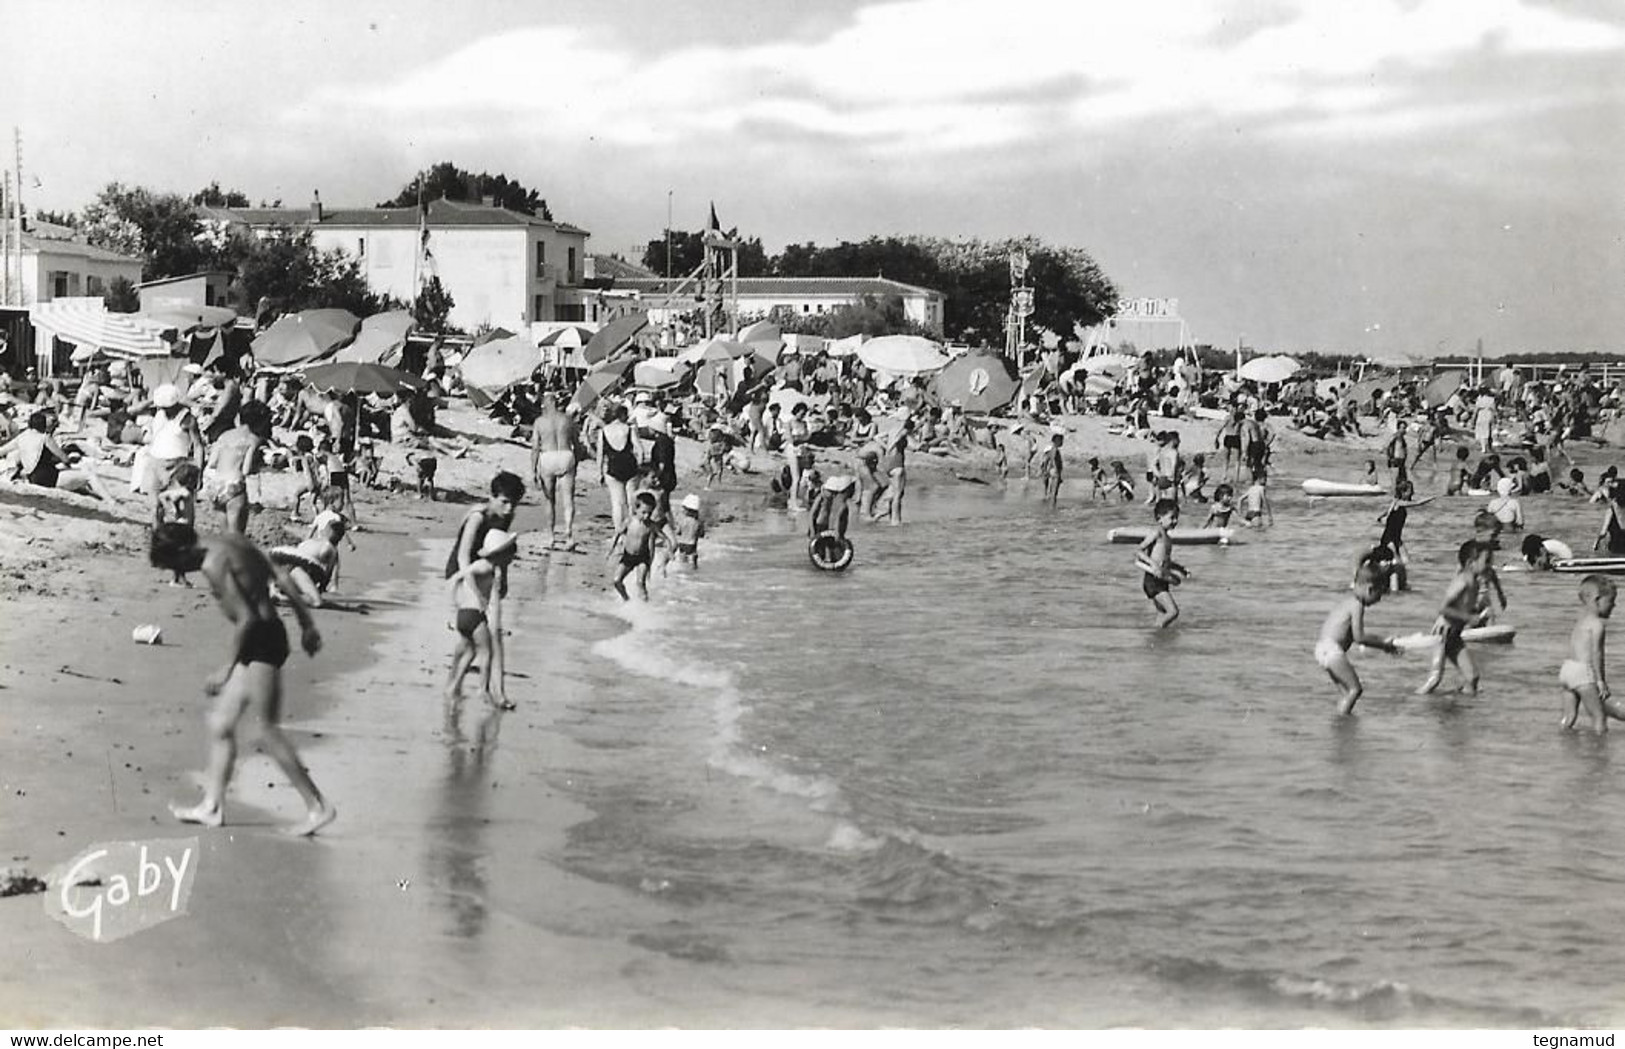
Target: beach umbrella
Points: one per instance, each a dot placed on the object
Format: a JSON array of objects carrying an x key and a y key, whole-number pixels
[
  {"x": 1269, "y": 369},
  {"x": 371, "y": 346},
  {"x": 350, "y": 377},
  {"x": 494, "y": 366},
  {"x": 977, "y": 382},
  {"x": 614, "y": 336},
  {"x": 600, "y": 381},
  {"x": 902, "y": 354},
  {"x": 724, "y": 350},
  {"x": 294, "y": 340},
  {"x": 398, "y": 323},
  {"x": 1098, "y": 384},
  {"x": 574, "y": 337},
  {"x": 1441, "y": 386},
  {"x": 761, "y": 331},
  {"x": 333, "y": 326},
  {"x": 658, "y": 372}
]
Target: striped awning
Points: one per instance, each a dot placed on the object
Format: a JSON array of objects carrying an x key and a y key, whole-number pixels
[{"x": 86, "y": 322}]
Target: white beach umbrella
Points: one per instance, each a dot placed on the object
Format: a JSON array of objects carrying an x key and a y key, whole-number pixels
[
  {"x": 1269, "y": 369},
  {"x": 902, "y": 354}
]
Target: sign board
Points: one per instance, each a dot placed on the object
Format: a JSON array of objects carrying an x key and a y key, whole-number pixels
[
  {"x": 1022, "y": 300},
  {"x": 1144, "y": 309}
]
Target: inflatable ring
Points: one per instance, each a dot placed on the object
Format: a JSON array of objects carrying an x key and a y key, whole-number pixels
[
  {"x": 290, "y": 559},
  {"x": 829, "y": 552}
]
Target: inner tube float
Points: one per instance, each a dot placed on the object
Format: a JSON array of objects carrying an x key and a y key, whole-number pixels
[
  {"x": 829, "y": 552},
  {"x": 290, "y": 558}
]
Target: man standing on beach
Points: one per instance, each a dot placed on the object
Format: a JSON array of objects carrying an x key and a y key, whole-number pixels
[
  {"x": 240, "y": 577},
  {"x": 553, "y": 442},
  {"x": 234, "y": 456}
]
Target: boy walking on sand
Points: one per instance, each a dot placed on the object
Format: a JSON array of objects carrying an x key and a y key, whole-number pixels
[
  {"x": 1582, "y": 677},
  {"x": 1345, "y": 627},
  {"x": 1160, "y": 572},
  {"x": 1459, "y": 611},
  {"x": 240, "y": 577},
  {"x": 635, "y": 541},
  {"x": 479, "y": 617}
]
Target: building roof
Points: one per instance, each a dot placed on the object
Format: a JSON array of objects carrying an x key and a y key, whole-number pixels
[
  {"x": 441, "y": 213},
  {"x": 620, "y": 269},
  {"x": 794, "y": 287},
  {"x": 200, "y": 275},
  {"x": 78, "y": 248}
]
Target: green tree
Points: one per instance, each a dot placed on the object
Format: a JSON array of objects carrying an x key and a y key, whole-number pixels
[
  {"x": 121, "y": 296},
  {"x": 447, "y": 180},
  {"x": 213, "y": 196},
  {"x": 688, "y": 251},
  {"x": 433, "y": 308},
  {"x": 285, "y": 267},
  {"x": 165, "y": 225},
  {"x": 871, "y": 315}
]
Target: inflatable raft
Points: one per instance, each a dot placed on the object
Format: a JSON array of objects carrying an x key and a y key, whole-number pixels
[
  {"x": 1177, "y": 536},
  {"x": 1494, "y": 634},
  {"x": 1605, "y": 564},
  {"x": 1324, "y": 489}
]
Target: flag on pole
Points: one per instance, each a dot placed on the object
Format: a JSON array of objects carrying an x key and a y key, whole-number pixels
[{"x": 713, "y": 233}]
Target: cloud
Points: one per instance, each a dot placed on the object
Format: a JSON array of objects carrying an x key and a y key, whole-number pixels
[{"x": 944, "y": 76}]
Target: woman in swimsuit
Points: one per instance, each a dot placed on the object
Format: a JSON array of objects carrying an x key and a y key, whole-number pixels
[
  {"x": 617, "y": 461},
  {"x": 41, "y": 461},
  {"x": 1613, "y": 526}
]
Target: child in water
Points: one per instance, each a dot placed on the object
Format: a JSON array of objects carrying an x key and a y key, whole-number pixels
[
  {"x": 1224, "y": 504},
  {"x": 1459, "y": 611},
  {"x": 1155, "y": 560},
  {"x": 1345, "y": 627},
  {"x": 1582, "y": 674},
  {"x": 636, "y": 543},
  {"x": 1049, "y": 468},
  {"x": 689, "y": 530},
  {"x": 1393, "y": 526},
  {"x": 1122, "y": 483},
  {"x": 479, "y": 618},
  {"x": 1097, "y": 475},
  {"x": 1255, "y": 502},
  {"x": 1460, "y": 477}
]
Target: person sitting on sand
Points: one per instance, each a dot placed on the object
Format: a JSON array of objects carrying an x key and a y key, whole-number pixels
[
  {"x": 41, "y": 461},
  {"x": 1582, "y": 675},
  {"x": 479, "y": 618},
  {"x": 251, "y": 681},
  {"x": 635, "y": 542},
  {"x": 1345, "y": 627}
]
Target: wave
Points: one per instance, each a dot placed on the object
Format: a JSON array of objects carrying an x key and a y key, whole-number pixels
[{"x": 1376, "y": 1002}]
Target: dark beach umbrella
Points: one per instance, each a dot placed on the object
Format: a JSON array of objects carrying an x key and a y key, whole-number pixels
[
  {"x": 600, "y": 381},
  {"x": 350, "y": 377},
  {"x": 613, "y": 337},
  {"x": 1441, "y": 386},
  {"x": 977, "y": 382}
]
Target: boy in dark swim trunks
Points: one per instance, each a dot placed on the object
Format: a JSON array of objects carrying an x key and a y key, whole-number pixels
[
  {"x": 1459, "y": 611},
  {"x": 1155, "y": 560},
  {"x": 240, "y": 576},
  {"x": 635, "y": 542},
  {"x": 479, "y": 618}
]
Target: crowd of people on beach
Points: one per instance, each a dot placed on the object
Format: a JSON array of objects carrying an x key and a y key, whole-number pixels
[{"x": 208, "y": 434}]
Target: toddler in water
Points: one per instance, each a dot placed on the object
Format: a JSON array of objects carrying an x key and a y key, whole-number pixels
[
  {"x": 1218, "y": 514},
  {"x": 1345, "y": 627},
  {"x": 635, "y": 542},
  {"x": 1460, "y": 478},
  {"x": 689, "y": 530},
  {"x": 1122, "y": 483},
  {"x": 1584, "y": 683},
  {"x": 1255, "y": 503},
  {"x": 1049, "y": 468},
  {"x": 1097, "y": 475},
  {"x": 479, "y": 617}
]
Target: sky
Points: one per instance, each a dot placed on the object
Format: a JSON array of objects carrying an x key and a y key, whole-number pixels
[{"x": 1383, "y": 177}]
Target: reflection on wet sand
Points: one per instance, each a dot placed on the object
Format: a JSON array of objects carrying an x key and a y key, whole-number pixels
[{"x": 457, "y": 851}]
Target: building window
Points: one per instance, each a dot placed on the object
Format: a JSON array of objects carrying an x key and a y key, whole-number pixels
[
  {"x": 571, "y": 312},
  {"x": 541, "y": 259},
  {"x": 361, "y": 247},
  {"x": 806, "y": 308},
  {"x": 62, "y": 283},
  {"x": 571, "y": 268},
  {"x": 538, "y": 307},
  {"x": 94, "y": 286}
]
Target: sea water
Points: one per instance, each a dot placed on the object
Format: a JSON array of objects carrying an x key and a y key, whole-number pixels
[{"x": 968, "y": 783}]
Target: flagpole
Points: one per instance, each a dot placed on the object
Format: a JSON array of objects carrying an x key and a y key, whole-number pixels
[{"x": 417, "y": 252}]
